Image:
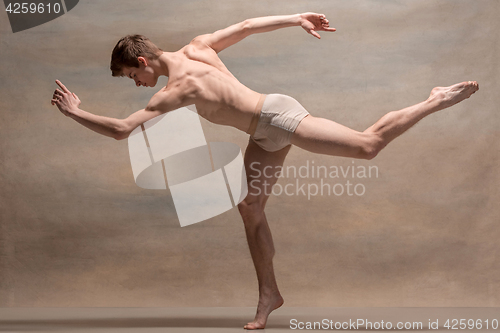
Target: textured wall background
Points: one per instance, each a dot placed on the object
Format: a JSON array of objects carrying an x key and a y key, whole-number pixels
[{"x": 77, "y": 231}]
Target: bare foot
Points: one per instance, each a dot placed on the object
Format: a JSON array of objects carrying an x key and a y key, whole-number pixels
[
  {"x": 448, "y": 96},
  {"x": 266, "y": 306}
]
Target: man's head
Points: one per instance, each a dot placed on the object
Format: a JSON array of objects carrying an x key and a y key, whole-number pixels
[{"x": 132, "y": 56}]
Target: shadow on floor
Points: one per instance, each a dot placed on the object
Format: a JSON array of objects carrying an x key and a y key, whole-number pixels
[{"x": 61, "y": 324}]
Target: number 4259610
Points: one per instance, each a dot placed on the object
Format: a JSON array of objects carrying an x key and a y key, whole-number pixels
[
  {"x": 462, "y": 324},
  {"x": 32, "y": 8}
]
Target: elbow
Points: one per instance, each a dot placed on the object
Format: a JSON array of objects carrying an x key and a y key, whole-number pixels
[
  {"x": 246, "y": 26},
  {"x": 120, "y": 136},
  {"x": 121, "y": 132}
]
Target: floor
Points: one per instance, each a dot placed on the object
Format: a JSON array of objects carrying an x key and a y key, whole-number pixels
[{"x": 205, "y": 320}]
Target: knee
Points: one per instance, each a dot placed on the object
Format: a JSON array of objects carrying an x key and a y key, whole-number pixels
[
  {"x": 251, "y": 209},
  {"x": 371, "y": 145}
]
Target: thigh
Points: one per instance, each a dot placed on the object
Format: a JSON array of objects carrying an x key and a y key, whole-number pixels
[
  {"x": 262, "y": 168},
  {"x": 323, "y": 136}
]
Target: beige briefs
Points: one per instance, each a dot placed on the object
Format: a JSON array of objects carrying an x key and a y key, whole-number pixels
[{"x": 275, "y": 119}]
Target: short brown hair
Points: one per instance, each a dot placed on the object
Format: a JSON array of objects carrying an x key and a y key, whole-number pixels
[{"x": 128, "y": 49}]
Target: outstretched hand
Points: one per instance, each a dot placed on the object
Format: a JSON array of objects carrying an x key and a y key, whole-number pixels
[
  {"x": 65, "y": 100},
  {"x": 312, "y": 22}
]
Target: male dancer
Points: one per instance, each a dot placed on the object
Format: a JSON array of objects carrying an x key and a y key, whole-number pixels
[{"x": 274, "y": 122}]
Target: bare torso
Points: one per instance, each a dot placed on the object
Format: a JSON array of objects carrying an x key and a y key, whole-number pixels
[{"x": 201, "y": 78}]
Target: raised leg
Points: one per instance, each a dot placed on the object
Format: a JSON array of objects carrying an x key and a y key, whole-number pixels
[
  {"x": 324, "y": 136},
  {"x": 261, "y": 167}
]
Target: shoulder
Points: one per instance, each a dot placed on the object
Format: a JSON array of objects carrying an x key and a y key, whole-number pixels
[
  {"x": 162, "y": 99},
  {"x": 171, "y": 98},
  {"x": 201, "y": 40},
  {"x": 198, "y": 45}
]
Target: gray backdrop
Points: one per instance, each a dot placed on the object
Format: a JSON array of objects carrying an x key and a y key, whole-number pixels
[{"x": 77, "y": 231}]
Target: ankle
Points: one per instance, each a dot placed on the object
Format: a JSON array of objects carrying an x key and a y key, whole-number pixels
[
  {"x": 434, "y": 103},
  {"x": 269, "y": 293}
]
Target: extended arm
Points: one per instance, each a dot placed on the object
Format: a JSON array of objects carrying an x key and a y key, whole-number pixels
[
  {"x": 221, "y": 39},
  {"x": 68, "y": 103}
]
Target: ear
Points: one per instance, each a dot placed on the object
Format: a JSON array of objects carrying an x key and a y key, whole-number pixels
[{"x": 143, "y": 60}]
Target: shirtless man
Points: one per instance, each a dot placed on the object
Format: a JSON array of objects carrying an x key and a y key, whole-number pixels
[{"x": 197, "y": 76}]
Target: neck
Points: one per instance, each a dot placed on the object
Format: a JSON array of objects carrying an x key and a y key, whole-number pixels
[{"x": 161, "y": 65}]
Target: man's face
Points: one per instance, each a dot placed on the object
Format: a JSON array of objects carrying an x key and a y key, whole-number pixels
[{"x": 143, "y": 75}]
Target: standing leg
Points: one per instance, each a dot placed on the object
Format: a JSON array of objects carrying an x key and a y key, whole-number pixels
[
  {"x": 323, "y": 136},
  {"x": 261, "y": 167}
]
